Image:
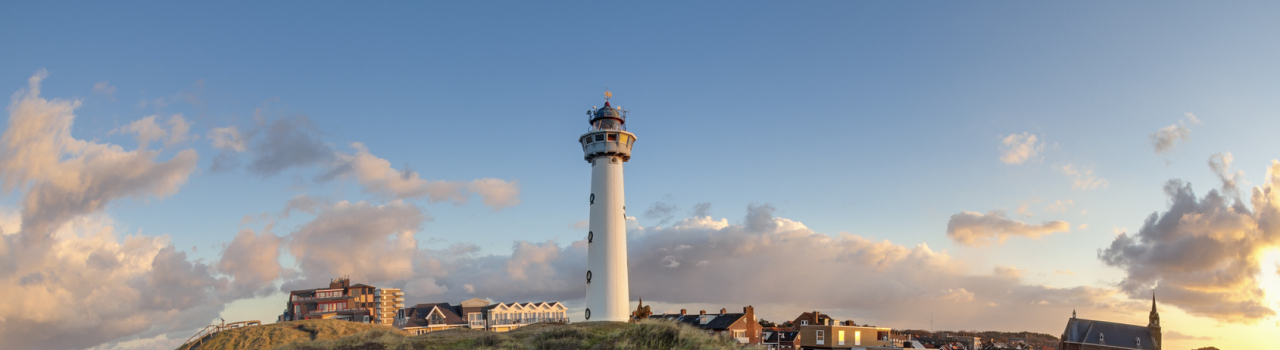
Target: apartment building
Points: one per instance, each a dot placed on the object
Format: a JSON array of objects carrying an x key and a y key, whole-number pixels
[
  {"x": 341, "y": 300},
  {"x": 386, "y": 302}
]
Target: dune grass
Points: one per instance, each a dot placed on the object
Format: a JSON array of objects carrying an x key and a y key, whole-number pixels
[{"x": 340, "y": 335}]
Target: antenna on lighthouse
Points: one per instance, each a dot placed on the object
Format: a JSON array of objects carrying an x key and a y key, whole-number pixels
[{"x": 607, "y": 94}]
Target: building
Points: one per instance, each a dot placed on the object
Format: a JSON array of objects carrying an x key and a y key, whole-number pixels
[
  {"x": 842, "y": 335},
  {"x": 808, "y": 318},
  {"x": 741, "y": 326},
  {"x": 386, "y": 302},
  {"x": 423, "y": 318},
  {"x": 341, "y": 301},
  {"x": 606, "y": 145},
  {"x": 778, "y": 338},
  {"x": 1083, "y": 334},
  {"x": 477, "y": 314},
  {"x": 502, "y": 317}
]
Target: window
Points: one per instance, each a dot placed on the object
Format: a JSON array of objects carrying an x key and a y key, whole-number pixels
[
  {"x": 804, "y": 322},
  {"x": 613, "y": 137},
  {"x": 599, "y": 137},
  {"x": 821, "y": 338},
  {"x": 840, "y": 337},
  {"x": 857, "y": 337}
]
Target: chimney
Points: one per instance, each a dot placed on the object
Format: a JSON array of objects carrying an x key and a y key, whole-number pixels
[
  {"x": 683, "y": 312},
  {"x": 749, "y": 312},
  {"x": 722, "y": 310},
  {"x": 702, "y": 312}
]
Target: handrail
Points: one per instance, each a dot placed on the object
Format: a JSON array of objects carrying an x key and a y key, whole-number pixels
[{"x": 214, "y": 329}]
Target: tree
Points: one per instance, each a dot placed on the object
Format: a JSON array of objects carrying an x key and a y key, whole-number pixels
[{"x": 766, "y": 323}]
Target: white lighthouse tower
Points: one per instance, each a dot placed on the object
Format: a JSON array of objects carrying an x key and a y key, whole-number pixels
[{"x": 607, "y": 145}]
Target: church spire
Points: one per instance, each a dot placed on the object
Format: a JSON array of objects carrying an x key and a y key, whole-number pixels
[{"x": 1155, "y": 316}]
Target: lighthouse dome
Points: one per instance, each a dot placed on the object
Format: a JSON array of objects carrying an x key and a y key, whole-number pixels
[{"x": 607, "y": 112}]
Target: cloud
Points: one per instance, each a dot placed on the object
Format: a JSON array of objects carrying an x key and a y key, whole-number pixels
[
  {"x": 286, "y": 143},
  {"x": 1163, "y": 140},
  {"x": 1018, "y": 148},
  {"x": 178, "y": 129},
  {"x": 701, "y": 209},
  {"x": 228, "y": 138},
  {"x": 1082, "y": 178},
  {"x": 373, "y": 243},
  {"x": 1059, "y": 206},
  {"x": 1203, "y": 254},
  {"x": 252, "y": 259},
  {"x": 663, "y": 212},
  {"x": 69, "y": 280},
  {"x": 104, "y": 88},
  {"x": 1175, "y": 335},
  {"x": 1064, "y": 272},
  {"x": 1220, "y": 163},
  {"x": 977, "y": 229},
  {"x": 378, "y": 177}
]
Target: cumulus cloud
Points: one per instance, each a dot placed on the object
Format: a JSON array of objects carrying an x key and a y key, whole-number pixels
[
  {"x": 1059, "y": 206},
  {"x": 1163, "y": 140},
  {"x": 1203, "y": 254},
  {"x": 1018, "y": 148},
  {"x": 1082, "y": 178},
  {"x": 69, "y": 280},
  {"x": 701, "y": 209},
  {"x": 378, "y": 177},
  {"x": 252, "y": 259},
  {"x": 367, "y": 242},
  {"x": 977, "y": 229}
]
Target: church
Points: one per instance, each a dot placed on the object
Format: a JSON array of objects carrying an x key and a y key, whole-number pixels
[{"x": 1082, "y": 334}]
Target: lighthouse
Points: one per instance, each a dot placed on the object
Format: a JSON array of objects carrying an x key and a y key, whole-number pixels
[{"x": 607, "y": 145}]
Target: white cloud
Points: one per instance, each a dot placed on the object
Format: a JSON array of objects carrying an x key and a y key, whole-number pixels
[
  {"x": 1203, "y": 255},
  {"x": 228, "y": 138},
  {"x": 1018, "y": 148},
  {"x": 1163, "y": 140},
  {"x": 378, "y": 177},
  {"x": 977, "y": 229},
  {"x": 1083, "y": 178}
]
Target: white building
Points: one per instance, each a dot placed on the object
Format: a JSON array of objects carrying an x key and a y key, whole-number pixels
[
  {"x": 607, "y": 145},
  {"x": 386, "y": 302}
]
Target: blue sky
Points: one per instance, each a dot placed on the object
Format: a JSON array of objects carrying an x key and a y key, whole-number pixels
[{"x": 882, "y": 120}]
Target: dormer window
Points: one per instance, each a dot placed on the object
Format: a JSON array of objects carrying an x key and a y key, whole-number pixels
[
  {"x": 1137, "y": 340},
  {"x": 1102, "y": 338}
]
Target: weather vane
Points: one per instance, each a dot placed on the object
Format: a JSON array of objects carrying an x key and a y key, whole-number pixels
[{"x": 607, "y": 94}]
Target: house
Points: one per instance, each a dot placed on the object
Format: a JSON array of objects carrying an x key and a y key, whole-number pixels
[
  {"x": 341, "y": 300},
  {"x": 478, "y": 314},
  {"x": 779, "y": 338},
  {"x": 842, "y": 335},
  {"x": 1091, "y": 334},
  {"x": 741, "y": 326},
  {"x": 423, "y": 318},
  {"x": 809, "y": 318}
]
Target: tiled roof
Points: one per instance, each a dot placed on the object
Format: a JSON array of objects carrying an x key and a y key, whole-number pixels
[{"x": 1080, "y": 330}]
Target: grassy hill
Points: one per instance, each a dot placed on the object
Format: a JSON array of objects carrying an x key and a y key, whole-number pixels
[{"x": 336, "y": 335}]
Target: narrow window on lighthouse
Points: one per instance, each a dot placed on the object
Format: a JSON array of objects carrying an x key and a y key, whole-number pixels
[
  {"x": 589, "y": 236},
  {"x": 588, "y": 276},
  {"x": 593, "y": 198}
]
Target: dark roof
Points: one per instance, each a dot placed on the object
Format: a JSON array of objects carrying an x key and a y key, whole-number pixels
[
  {"x": 418, "y": 314},
  {"x": 718, "y": 322},
  {"x": 606, "y": 112},
  {"x": 772, "y": 336},
  {"x": 1080, "y": 330}
]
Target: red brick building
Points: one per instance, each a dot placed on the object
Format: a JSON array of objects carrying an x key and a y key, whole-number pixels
[{"x": 341, "y": 301}]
